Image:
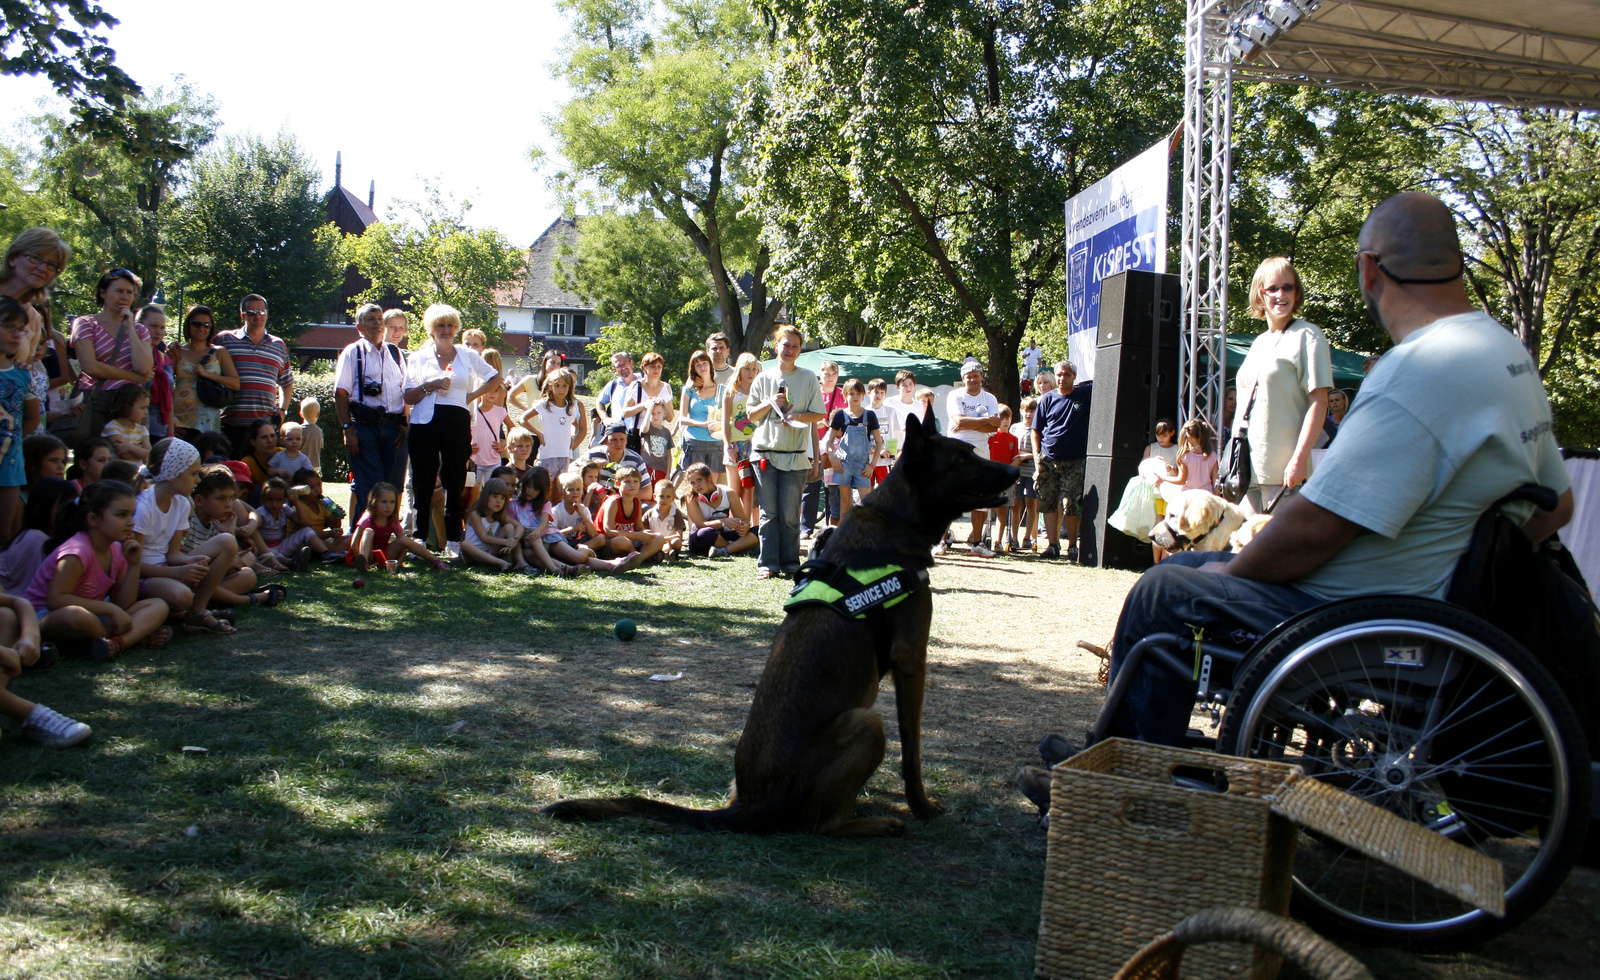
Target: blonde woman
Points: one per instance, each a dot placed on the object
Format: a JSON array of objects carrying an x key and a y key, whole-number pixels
[
  {"x": 1283, "y": 386},
  {"x": 441, "y": 378},
  {"x": 736, "y": 429}
]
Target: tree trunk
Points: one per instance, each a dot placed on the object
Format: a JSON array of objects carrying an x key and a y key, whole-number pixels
[{"x": 1004, "y": 380}]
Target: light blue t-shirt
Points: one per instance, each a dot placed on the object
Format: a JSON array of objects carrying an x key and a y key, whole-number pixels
[{"x": 1451, "y": 420}]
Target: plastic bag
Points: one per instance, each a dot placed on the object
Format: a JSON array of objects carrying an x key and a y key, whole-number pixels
[{"x": 1136, "y": 515}]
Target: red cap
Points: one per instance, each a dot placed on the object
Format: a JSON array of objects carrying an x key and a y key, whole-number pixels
[{"x": 241, "y": 470}]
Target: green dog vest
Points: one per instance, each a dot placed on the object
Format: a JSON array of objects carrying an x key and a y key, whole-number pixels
[{"x": 851, "y": 592}]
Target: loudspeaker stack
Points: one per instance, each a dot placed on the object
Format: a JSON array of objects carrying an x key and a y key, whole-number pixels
[{"x": 1135, "y": 383}]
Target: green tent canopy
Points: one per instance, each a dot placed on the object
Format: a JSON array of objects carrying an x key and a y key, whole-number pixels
[
  {"x": 1348, "y": 366},
  {"x": 867, "y": 363}
]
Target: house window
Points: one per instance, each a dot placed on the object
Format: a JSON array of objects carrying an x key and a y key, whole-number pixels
[
  {"x": 559, "y": 324},
  {"x": 580, "y": 323}
]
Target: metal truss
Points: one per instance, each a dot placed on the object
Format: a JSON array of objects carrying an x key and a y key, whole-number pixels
[{"x": 1207, "y": 179}]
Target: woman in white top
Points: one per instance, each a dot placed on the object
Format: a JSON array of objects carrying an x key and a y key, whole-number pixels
[
  {"x": 558, "y": 417},
  {"x": 441, "y": 378},
  {"x": 1283, "y": 386},
  {"x": 640, "y": 398}
]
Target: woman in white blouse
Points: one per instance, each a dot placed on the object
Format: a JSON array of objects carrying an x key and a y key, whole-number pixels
[{"x": 441, "y": 378}]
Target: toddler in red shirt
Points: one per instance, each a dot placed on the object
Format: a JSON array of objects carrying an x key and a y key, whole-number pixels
[{"x": 1003, "y": 448}]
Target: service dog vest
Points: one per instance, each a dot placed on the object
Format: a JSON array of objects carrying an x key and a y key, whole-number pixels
[{"x": 851, "y": 592}]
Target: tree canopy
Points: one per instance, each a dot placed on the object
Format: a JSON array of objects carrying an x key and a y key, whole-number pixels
[
  {"x": 652, "y": 125},
  {"x": 61, "y": 40},
  {"x": 428, "y": 253},
  {"x": 914, "y": 162},
  {"x": 253, "y": 221}
]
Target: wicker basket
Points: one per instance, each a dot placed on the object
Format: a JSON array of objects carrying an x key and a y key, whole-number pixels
[
  {"x": 1316, "y": 957},
  {"x": 1130, "y": 853}
]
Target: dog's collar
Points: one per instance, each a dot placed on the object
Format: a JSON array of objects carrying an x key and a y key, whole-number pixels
[
  {"x": 1186, "y": 542},
  {"x": 851, "y": 592}
]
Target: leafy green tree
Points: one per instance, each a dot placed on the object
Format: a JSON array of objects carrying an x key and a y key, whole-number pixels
[
  {"x": 1310, "y": 164},
  {"x": 925, "y": 153},
  {"x": 252, "y": 221},
  {"x": 645, "y": 278},
  {"x": 652, "y": 125},
  {"x": 428, "y": 253},
  {"x": 60, "y": 40},
  {"x": 116, "y": 189}
]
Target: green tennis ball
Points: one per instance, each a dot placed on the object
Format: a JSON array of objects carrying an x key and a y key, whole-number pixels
[{"x": 625, "y": 630}]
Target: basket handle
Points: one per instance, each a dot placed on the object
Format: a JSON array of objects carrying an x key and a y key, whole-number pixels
[{"x": 1318, "y": 958}]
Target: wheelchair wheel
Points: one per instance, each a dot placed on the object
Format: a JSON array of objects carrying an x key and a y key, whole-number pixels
[{"x": 1423, "y": 709}]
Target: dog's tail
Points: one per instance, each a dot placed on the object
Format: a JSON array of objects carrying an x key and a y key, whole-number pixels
[{"x": 734, "y": 818}]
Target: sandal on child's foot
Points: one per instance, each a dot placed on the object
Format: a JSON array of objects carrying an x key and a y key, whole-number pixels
[
  {"x": 102, "y": 649},
  {"x": 361, "y": 563},
  {"x": 265, "y": 597},
  {"x": 438, "y": 565},
  {"x": 209, "y": 623},
  {"x": 529, "y": 570},
  {"x": 226, "y": 615},
  {"x": 160, "y": 638}
]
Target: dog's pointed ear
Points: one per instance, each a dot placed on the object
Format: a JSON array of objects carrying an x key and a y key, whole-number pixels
[{"x": 913, "y": 429}]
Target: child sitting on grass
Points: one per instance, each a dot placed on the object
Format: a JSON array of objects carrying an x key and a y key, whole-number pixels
[
  {"x": 88, "y": 460},
  {"x": 492, "y": 539},
  {"x": 379, "y": 536},
  {"x": 89, "y": 583},
  {"x": 213, "y": 518},
  {"x": 47, "y": 502},
  {"x": 580, "y": 539},
  {"x": 125, "y": 471},
  {"x": 44, "y": 457},
  {"x": 127, "y": 432},
  {"x": 284, "y": 531},
  {"x": 716, "y": 514},
  {"x": 289, "y": 460},
  {"x": 19, "y": 648},
  {"x": 622, "y": 519},
  {"x": 595, "y": 491},
  {"x": 521, "y": 443},
  {"x": 184, "y": 581},
  {"x": 665, "y": 520},
  {"x": 533, "y": 512},
  {"x": 19, "y": 411},
  {"x": 311, "y": 441},
  {"x": 317, "y": 511}
]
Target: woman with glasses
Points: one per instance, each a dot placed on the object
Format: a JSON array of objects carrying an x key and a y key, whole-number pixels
[
  {"x": 113, "y": 349},
  {"x": 32, "y": 263},
  {"x": 198, "y": 355},
  {"x": 1282, "y": 386}
]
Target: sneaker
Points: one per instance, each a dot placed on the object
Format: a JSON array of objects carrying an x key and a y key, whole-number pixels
[
  {"x": 304, "y": 557},
  {"x": 1014, "y": 547},
  {"x": 943, "y": 547},
  {"x": 52, "y": 729},
  {"x": 1072, "y": 553},
  {"x": 1051, "y": 553},
  {"x": 453, "y": 549},
  {"x": 1028, "y": 545},
  {"x": 719, "y": 552},
  {"x": 331, "y": 557},
  {"x": 978, "y": 550}
]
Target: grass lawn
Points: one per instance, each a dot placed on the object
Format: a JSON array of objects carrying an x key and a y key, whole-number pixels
[
  {"x": 338, "y": 827},
  {"x": 341, "y": 824}
]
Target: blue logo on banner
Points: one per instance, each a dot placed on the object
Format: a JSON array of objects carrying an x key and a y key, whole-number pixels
[
  {"x": 1078, "y": 288},
  {"x": 1129, "y": 244}
]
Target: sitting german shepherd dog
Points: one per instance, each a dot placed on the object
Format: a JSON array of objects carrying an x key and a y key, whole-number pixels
[{"x": 861, "y": 610}]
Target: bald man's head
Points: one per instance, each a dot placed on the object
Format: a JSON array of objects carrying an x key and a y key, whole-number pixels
[{"x": 1414, "y": 235}]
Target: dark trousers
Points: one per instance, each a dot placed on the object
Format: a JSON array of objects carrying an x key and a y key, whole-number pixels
[
  {"x": 373, "y": 462},
  {"x": 1171, "y": 598},
  {"x": 238, "y": 433},
  {"x": 397, "y": 476},
  {"x": 815, "y": 498},
  {"x": 439, "y": 448}
]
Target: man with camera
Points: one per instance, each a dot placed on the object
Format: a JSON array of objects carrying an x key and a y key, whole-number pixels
[{"x": 369, "y": 396}]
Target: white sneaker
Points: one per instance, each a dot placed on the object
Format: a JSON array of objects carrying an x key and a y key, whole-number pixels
[
  {"x": 943, "y": 547},
  {"x": 980, "y": 550},
  {"x": 453, "y": 549},
  {"x": 719, "y": 552},
  {"x": 52, "y": 729}
]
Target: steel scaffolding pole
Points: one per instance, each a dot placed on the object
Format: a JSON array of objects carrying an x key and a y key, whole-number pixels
[{"x": 1207, "y": 173}]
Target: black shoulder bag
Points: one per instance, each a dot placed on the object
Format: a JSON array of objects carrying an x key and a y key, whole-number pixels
[
  {"x": 211, "y": 392},
  {"x": 1233, "y": 479}
]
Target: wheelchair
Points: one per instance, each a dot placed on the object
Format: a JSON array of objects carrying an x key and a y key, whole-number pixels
[{"x": 1422, "y": 708}]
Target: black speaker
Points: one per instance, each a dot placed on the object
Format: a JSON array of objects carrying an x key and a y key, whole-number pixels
[
  {"x": 1103, "y": 546},
  {"x": 1137, "y": 358}
]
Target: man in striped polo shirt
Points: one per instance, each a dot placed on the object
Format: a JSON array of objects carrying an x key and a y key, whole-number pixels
[{"x": 266, "y": 382}]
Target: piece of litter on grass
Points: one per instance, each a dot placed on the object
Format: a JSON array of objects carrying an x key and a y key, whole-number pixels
[
  {"x": 119, "y": 670},
  {"x": 684, "y": 643},
  {"x": 195, "y": 750},
  {"x": 666, "y": 677},
  {"x": 458, "y": 726},
  {"x": 193, "y": 831}
]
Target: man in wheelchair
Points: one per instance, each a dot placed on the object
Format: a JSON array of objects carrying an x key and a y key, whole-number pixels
[{"x": 1452, "y": 419}]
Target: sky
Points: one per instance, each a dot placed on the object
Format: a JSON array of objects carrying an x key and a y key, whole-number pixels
[{"x": 407, "y": 91}]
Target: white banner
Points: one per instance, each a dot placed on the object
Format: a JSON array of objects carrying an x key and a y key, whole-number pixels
[{"x": 1119, "y": 223}]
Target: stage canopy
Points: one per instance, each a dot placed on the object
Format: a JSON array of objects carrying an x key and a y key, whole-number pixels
[
  {"x": 867, "y": 363},
  {"x": 1533, "y": 53}
]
